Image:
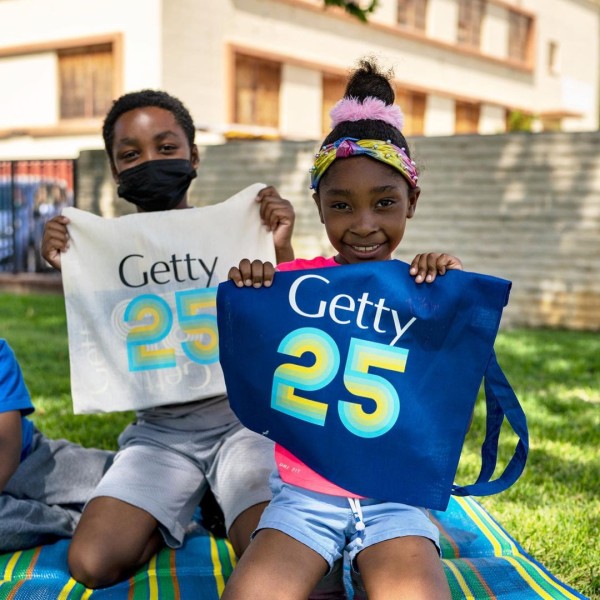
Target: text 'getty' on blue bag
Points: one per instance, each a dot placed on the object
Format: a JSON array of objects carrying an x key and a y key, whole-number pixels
[{"x": 371, "y": 379}]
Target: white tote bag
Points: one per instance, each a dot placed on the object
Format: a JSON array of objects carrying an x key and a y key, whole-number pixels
[{"x": 140, "y": 295}]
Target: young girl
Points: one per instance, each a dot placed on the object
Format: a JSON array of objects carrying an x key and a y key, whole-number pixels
[{"x": 365, "y": 188}]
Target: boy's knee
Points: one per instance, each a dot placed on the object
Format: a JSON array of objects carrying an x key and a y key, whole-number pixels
[
  {"x": 92, "y": 567},
  {"x": 241, "y": 529}
]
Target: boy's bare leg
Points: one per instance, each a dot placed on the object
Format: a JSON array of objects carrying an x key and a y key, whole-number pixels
[
  {"x": 112, "y": 540},
  {"x": 277, "y": 567},
  {"x": 243, "y": 527},
  {"x": 408, "y": 568}
]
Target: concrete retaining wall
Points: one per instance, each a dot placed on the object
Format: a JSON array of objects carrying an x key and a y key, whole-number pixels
[{"x": 520, "y": 206}]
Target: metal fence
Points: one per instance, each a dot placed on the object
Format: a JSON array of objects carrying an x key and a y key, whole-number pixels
[{"x": 31, "y": 193}]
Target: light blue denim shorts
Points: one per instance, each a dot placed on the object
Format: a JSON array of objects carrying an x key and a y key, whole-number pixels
[{"x": 326, "y": 523}]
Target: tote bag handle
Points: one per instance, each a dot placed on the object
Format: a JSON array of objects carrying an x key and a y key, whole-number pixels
[{"x": 501, "y": 402}]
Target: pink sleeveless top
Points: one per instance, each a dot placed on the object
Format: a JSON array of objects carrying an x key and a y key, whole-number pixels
[{"x": 291, "y": 469}]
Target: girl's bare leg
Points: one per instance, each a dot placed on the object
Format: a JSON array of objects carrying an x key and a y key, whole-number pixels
[
  {"x": 277, "y": 567},
  {"x": 407, "y": 568}
]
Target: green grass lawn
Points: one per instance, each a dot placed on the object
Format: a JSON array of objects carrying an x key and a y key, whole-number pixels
[{"x": 553, "y": 510}]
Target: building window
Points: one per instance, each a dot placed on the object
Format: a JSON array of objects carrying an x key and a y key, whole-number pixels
[
  {"x": 334, "y": 87},
  {"x": 257, "y": 84},
  {"x": 470, "y": 17},
  {"x": 412, "y": 14},
  {"x": 519, "y": 35},
  {"x": 467, "y": 117},
  {"x": 551, "y": 123},
  {"x": 553, "y": 58},
  {"x": 413, "y": 107},
  {"x": 86, "y": 81}
]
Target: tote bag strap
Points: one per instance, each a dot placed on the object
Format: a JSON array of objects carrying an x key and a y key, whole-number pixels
[{"x": 501, "y": 402}]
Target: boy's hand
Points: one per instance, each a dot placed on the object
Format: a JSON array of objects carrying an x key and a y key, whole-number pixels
[
  {"x": 55, "y": 240},
  {"x": 425, "y": 267},
  {"x": 252, "y": 274},
  {"x": 10, "y": 445},
  {"x": 278, "y": 216}
]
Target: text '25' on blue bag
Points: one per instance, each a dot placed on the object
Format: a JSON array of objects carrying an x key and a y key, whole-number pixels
[{"x": 371, "y": 379}]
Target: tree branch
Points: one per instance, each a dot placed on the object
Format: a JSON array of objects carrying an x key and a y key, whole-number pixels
[{"x": 353, "y": 8}]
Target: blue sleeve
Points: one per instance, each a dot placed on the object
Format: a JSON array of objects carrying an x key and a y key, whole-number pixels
[{"x": 13, "y": 391}]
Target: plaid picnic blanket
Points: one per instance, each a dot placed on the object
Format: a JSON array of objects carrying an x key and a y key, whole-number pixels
[{"x": 480, "y": 558}]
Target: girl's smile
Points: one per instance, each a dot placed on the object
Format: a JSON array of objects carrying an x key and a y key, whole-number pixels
[{"x": 364, "y": 205}]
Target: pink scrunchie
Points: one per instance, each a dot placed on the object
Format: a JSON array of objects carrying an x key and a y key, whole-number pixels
[{"x": 352, "y": 109}]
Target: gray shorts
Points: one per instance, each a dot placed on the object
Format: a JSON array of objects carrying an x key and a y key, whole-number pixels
[
  {"x": 43, "y": 499},
  {"x": 165, "y": 464}
]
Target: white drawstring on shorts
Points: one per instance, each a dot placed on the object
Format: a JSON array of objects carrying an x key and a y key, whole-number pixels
[{"x": 359, "y": 524}]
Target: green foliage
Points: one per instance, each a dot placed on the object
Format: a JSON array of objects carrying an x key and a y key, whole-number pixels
[
  {"x": 520, "y": 121},
  {"x": 553, "y": 510},
  {"x": 355, "y": 8},
  {"x": 35, "y": 327}
]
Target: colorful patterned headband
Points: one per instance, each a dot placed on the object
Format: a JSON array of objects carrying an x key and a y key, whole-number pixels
[
  {"x": 385, "y": 152},
  {"x": 374, "y": 109}
]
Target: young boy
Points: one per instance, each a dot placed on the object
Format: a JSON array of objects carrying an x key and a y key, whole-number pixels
[
  {"x": 171, "y": 454},
  {"x": 44, "y": 483}
]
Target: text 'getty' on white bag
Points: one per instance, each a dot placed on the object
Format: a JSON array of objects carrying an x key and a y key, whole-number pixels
[{"x": 140, "y": 295}]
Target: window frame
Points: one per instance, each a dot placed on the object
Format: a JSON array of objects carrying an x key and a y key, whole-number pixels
[
  {"x": 415, "y": 14},
  {"x": 472, "y": 112},
  {"x": 254, "y": 119},
  {"x": 520, "y": 32},
  {"x": 414, "y": 107},
  {"x": 82, "y": 84},
  {"x": 469, "y": 25}
]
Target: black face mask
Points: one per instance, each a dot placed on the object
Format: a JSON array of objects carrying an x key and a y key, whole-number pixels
[{"x": 156, "y": 184}]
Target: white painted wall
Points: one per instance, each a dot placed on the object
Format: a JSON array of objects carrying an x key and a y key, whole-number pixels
[
  {"x": 195, "y": 35},
  {"x": 576, "y": 27},
  {"x": 492, "y": 120},
  {"x": 26, "y": 147},
  {"x": 339, "y": 44},
  {"x": 30, "y": 76},
  {"x": 26, "y": 22},
  {"x": 442, "y": 19},
  {"x": 182, "y": 46},
  {"x": 494, "y": 31},
  {"x": 300, "y": 103},
  {"x": 439, "y": 116},
  {"x": 30, "y": 80},
  {"x": 386, "y": 12}
]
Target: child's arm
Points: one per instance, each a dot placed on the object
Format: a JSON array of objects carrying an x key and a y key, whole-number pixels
[
  {"x": 55, "y": 240},
  {"x": 425, "y": 267},
  {"x": 278, "y": 216},
  {"x": 252, "y": 274},
  {"x": 10, "y": 445}
]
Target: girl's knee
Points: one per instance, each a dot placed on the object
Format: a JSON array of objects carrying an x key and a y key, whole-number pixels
[{"x": 408, "y": 566}]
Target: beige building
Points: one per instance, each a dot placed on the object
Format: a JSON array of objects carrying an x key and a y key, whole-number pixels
[{"x": 273, "y": 68}]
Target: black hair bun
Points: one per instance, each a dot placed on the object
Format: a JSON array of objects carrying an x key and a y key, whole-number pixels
[{"x": 368, "y": 80}]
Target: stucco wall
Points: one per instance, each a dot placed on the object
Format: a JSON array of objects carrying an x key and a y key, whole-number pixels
[
  {"x": 187, "y": 47},
  {"x": 519, "y": 206}
]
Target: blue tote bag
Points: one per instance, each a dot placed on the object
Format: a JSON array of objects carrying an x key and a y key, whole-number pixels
[{"x": 371, "y": 379}]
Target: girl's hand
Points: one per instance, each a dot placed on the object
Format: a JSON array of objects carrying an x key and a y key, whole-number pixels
[
  {"x": 278, "y": 216},
  {"x": 252, "y": 274},
  {"x": 55, "y": 240},
  {"x": 425, "y": 267}
]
